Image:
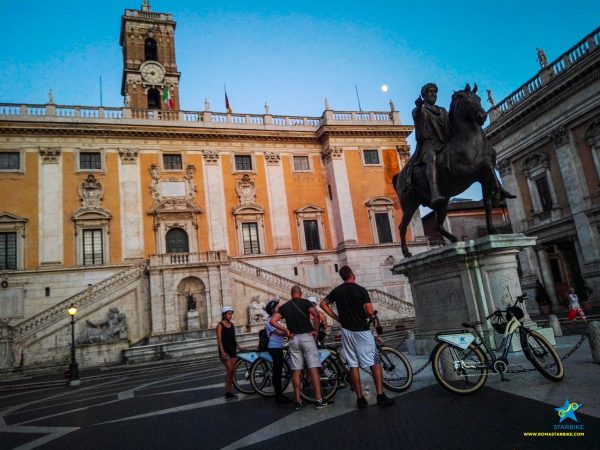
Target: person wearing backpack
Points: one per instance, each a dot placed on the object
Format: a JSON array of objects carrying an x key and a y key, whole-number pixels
[{"x": 275, "y": 347}]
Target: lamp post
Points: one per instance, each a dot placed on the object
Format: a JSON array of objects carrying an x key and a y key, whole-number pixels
[{"x": 74, "y": 381}]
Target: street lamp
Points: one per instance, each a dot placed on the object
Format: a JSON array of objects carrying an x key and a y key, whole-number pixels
[{"x": 74, "y": 381}]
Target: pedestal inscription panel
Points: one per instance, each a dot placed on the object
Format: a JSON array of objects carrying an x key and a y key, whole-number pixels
[{"x": 440, "y": 304}]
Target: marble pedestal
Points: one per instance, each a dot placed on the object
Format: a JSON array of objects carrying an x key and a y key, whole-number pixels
[
  {"x": 464, "y": 281},
  {"x": 193, "y": 321}
]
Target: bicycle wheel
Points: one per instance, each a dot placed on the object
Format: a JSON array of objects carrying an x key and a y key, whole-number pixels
[
  {"x": 542, "y": 355},
  {"x": 241, "y": 376},
  {"x": 329, "y": 381},
  {"x": 261, "y": 378},
  {"x": 459, "y": 371},
  {"x": 397, "y": 371}
]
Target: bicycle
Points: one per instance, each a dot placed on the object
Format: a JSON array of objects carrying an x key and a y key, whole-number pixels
[
  {"x": 461, "y": 360},
  {"x": 241, "y": 372}
]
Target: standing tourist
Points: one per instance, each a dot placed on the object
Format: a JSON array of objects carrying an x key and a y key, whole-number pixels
[
  {"x": 302, "y": 320},
  {"x": 228, "y": 348},
  {"x": 276, "y": 341},
  {"x": 574, "y": 306},
  {"x": 358, "y": 343}
]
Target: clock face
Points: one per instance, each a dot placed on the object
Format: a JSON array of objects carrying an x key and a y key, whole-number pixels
[{"x": 152, "y": 72}]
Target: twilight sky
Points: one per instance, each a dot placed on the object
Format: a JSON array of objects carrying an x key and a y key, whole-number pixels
[{"x": 291, "y": 54}]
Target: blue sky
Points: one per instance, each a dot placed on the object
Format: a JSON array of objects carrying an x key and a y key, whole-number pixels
[{"x": 291, "y": 54}]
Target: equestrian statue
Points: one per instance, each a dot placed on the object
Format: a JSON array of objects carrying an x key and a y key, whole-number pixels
[{"x": 452, "y": 153}]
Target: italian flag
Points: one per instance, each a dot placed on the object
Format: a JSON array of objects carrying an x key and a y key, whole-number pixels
[{"x": 167, "y": 98}]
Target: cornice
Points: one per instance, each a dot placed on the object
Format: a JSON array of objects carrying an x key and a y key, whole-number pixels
[{"x": 402, "y": 131}]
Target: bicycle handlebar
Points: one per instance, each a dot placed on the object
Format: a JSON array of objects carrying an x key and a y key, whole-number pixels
[{"x": 498, "y": 312}]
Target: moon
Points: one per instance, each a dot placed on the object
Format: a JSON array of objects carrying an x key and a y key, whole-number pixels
[{"x": 384, "y": 88}]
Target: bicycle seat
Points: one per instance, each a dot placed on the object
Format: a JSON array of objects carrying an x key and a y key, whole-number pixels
[{"x": 471, "y": 324}]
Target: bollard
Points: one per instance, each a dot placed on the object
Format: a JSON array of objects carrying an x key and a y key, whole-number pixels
[
  {"x": 555, "y": 325},
  {"x": 593, "y": 334},
  {"x": 410, "y": 342}
]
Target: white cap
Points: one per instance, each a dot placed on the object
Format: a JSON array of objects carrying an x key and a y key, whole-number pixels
[
  {"x": 226, "y": 309},
  {"x": 312, "y": 300}
]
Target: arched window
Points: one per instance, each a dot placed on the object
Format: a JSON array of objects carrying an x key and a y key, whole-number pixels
[
  {"x": 150, "y": 52},
  {"x": 177, "y": 241},
  {"x": 153, "y": 99}
]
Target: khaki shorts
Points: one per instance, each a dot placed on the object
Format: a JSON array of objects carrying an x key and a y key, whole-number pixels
[{"x": 303, "y": 349}]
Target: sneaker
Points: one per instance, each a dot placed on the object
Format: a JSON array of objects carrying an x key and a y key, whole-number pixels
[
  {"x": 362, "y": 403},
  {"x": 298, "y": 406},
  {"x": 323, "y": 404},
  {"x": 283, "y": 399},
  {"x": 230, "y": 396},
  {"x": 384, "y": 400}
]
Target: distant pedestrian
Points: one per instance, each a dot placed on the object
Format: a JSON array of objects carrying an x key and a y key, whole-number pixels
[
  {"x": 275, "y": 348},
  {"x": 322, "y": 322},
  {"x": 574, "y": 306},
  {"x": 302, "y": 320},
  {"x": 358, "y": 342},
  {"x": 228, "y": 348}
]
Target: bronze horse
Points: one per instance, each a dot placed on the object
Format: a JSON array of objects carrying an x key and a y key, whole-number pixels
[{"x": 467, "y": 157}]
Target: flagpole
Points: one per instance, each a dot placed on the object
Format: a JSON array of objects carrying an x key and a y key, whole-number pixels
[
  {"x": 101, "y": 91},
  {"x": 357, "y": 98}
]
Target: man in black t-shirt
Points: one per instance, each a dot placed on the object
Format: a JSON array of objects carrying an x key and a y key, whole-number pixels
[
  {"x": 302, "y": 320},
  {"x": 358, "y": 343}
]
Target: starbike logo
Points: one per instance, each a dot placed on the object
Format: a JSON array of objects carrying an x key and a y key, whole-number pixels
[{"x": 560, "y": 429}]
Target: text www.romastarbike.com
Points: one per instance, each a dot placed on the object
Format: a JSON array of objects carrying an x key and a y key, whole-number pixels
[{"x": 554, "y": 434}]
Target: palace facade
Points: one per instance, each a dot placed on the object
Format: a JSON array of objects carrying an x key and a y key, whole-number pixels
[
  {"x": 166, "y": 215},
  {"x": 547, "y": 136}
]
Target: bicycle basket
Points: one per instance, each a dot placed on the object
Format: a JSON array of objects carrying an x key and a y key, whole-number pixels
[
  {"x": 514, "y": 311},
  {"x": 499, "y": 323}
]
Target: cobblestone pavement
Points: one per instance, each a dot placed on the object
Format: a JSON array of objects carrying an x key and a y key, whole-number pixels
[{"x": 183, "y": 407}]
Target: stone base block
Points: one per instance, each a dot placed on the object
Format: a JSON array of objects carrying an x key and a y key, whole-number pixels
[{"x": 193, "y": 321}]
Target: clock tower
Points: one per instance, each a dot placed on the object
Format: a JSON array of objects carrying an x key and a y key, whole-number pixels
[{"x": 148, "y": 41}]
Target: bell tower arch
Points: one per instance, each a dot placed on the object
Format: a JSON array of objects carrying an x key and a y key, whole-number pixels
[{"x": 148, "y": 42}]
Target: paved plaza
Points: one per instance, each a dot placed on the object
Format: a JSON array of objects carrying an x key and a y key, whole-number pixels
[{"x": 182, "y": 407}]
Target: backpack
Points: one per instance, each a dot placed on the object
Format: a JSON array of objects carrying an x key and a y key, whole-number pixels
[{"x": 263, "y": 340}]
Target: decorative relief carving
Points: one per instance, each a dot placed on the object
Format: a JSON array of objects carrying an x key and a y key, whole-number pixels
[
  {"x": 504, "y": 167},
  {"x": 189, "y": 177},
  {"x": 272, "y": 158},
  {"x": 331, "y": 153},
  {"x": 113, "y": 328},
  {"x": 246, "y": 190},
  {"x": 128, "y": 155},
  {"x": 560, "y": 137},
  {"x": 403, "y": 153},
  {"x": 91, "y": 192},
  {"x": 50, "y": 155},
  {"x": 211, "y": 156},
  {"x": 155, "y": 185}
]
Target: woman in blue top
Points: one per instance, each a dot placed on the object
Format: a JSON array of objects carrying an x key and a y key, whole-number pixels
[{"x": 276, "y": 342}]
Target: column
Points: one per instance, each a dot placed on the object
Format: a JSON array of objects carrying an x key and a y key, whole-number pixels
[
  {"x": 518, "y": 218},
  {"x": 215, "y": 201},
  {"x": 130, "y": 196},
  {"x": 547, "y": 278},
  {"x": 343, "y": 213},
  {"x": 574, "y": 182},
  {"x": 278, "y": 206},
  {"x": 50, "y": 199}
]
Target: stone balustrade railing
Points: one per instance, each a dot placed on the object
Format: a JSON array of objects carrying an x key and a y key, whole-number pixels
[
  {"x": 273, "y": 279},
  {"x": 390, "y": 300},
  {"x": 172, "y": 259},
  {"x": 14, "y": 111},
  {"x": 286, "y": 284},
  {"x": 562, "y": 64},
  {"x": 59, "y": 311}
]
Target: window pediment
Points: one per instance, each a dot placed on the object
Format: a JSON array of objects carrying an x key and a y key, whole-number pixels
[
  {"x": 9, "y": 218},
  {"x": 535, "y": 162},
  {"x": 309, "y": 209},
  {"x": 175, "y": 205},
  {"x": 92, "y": 214},
  {"x": 248, "y": 209},
  {"x": 379, "y": 202}
]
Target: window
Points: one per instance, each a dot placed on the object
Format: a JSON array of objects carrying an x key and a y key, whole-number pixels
[
  {"x": 301, "y": 164},
  {"x": 544, "y": 193},
  {"x": 90, "y": 161},
  {"x": 384, "y": 231},
  {"x": 250, "y": 238},
  {"x": 154, "y": 99},
  {"x": 150, "y": 50},
  {"x": 371, "y": 157},
  {"x": 8, "y": 251},
  {"x": 10, "y": 161},
  {"x": 311, "y": 234},
  {"x": 92, "y": 247},
  {"x": 243, "y": 162},
  {"x": 177, "y": 241},
  {"x": 172, "y": 162}
]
